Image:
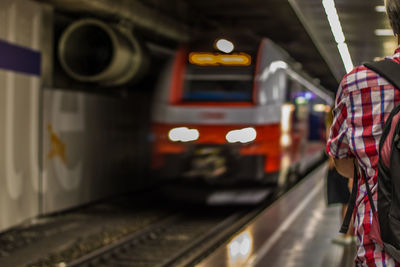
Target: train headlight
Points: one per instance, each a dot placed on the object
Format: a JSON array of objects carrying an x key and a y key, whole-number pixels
[
  {"x": 183, "y": 134},
  {"x": 244, "y": 135}
]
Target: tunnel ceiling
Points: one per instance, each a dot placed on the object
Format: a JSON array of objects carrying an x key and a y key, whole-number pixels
[
  {"x": 274, "y": 19},
  {"x": 299, "y": 26}
]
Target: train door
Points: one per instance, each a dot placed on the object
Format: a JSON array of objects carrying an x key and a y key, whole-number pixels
[{"x": 297, "y": 97}]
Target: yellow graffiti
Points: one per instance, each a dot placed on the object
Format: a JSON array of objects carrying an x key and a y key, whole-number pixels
[{"x": 57, "y": 147}]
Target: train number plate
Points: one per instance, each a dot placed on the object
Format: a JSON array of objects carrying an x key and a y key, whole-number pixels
[{"x": 207, "y": 162}]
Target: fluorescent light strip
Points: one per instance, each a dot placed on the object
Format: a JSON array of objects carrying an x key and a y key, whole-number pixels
[
  {"x": 333, "y": 19},
  {"x": 384, "y": 32},
  {"x": 336, "y": 28},
  {"x": 380, "y": 9},
  {"x": 345, "y": 54}
]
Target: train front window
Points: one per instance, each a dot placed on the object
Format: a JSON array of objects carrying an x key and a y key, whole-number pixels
[{"x": 218, "y": 83}]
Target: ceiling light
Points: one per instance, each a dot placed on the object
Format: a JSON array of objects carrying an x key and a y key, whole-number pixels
[
  {"x": 336, "y": 28},
  {"x": 224, "y": 45},
  {"x": 345, "y": 54},
  {"x": 333, "y": 19},
  {"x": 384, "y": 32},
  {"x": 380, "y": 9}
]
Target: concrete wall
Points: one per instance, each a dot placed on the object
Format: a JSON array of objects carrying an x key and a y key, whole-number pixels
[
  {"x": 60, "y": 148},
  {"x": 92, "y": 147},
  {"x": 21, "y": 47}
]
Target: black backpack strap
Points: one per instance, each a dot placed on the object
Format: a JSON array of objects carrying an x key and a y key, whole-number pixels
[
  {"x": 353, "y": 198},
  {"x": 371, "y": 201},
  {"x": 351, "y": 204},
  {"x": 390, "y": 70},
  {"x": 387, "y": 68}
]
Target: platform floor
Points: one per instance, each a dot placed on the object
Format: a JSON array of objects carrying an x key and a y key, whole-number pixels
[{"x": 296, "y": 231}]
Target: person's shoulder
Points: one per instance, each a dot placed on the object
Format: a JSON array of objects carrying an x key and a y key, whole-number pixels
[{"x": 360, "y": 78}]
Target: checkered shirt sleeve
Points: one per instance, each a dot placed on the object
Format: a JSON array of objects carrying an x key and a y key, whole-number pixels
[{"x": 338, "y": 143}]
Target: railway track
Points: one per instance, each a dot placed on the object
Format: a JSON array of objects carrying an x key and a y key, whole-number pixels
[
  {"x": 159, "y": 235},
  {"x": 120, "y": 234},
  {"x": 177, "y": 240},
  {"x": 165, "y": 234}
]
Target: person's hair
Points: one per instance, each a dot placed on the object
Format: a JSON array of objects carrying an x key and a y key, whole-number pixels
[{"x": 393, "y": 12}]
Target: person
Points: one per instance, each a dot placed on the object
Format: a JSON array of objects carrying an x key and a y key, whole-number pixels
[
  {"x": 338, "y": 190},
  {"x": 363, "y": 103}
]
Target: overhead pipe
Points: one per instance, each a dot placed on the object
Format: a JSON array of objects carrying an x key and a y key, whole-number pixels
[
  {"x": 91, "y": 51},
  {"x": 129, "y": 10}
]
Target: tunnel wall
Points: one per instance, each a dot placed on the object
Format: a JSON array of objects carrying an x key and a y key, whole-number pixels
[
  {"x": 21, "y": 64},
  {"x": 60, "y": 148},
  {"x": 92, "y": 147}
]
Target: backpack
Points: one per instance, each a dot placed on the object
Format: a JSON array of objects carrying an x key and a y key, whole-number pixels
[{"x": 385, "y": 229}]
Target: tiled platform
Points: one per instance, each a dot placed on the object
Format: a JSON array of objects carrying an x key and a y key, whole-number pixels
[{"x": 296, "y": 231}]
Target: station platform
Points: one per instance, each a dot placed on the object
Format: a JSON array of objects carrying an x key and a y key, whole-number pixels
[{"x": 295, "y": 231}]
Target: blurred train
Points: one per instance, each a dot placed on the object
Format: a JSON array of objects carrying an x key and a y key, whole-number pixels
[{"x": 230, "y": 111}]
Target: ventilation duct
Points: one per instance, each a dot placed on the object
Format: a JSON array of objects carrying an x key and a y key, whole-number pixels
[
  {"x": 92, "y": 51},
  {"x": 134, "y": 11}
]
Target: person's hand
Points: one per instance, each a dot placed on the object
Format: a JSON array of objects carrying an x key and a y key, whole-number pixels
[
  {"x": 331, "y": 163},
  {"x": 345, "y": 166},
  {"x": 350, "y": 184}
]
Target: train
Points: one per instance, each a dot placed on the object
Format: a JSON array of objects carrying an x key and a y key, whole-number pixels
[{"x": 229, "y": 111}]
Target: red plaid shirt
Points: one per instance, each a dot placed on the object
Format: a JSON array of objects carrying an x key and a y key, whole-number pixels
[{"x": 364, "y": 100}]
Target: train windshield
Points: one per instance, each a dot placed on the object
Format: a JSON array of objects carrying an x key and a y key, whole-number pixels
[{"x": 219, "y": 81}]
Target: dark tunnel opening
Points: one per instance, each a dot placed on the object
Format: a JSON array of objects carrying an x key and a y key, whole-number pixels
[{"x": 88, "y": 50}]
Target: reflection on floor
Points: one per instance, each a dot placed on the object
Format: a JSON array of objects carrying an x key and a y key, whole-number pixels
[
  {"x": 308, "y": 242},
  {"x": 295, "y": 231}
]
